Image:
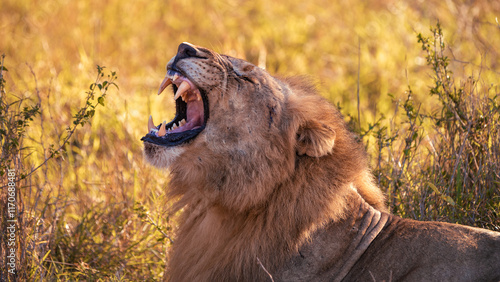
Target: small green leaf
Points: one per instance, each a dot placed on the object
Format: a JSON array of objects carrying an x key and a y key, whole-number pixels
[
  {"x": 46, "y": 255},
  {"x": 434, "y": 188},
  {"x": 449, "y": 200},
  {"x": 100, "y": 100}
]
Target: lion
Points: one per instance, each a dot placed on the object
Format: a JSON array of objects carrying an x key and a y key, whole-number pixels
[{"x": 273, "y": 186}]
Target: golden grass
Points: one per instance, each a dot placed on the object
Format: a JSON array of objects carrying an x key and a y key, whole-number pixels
[{"x": 88, "y": 212}]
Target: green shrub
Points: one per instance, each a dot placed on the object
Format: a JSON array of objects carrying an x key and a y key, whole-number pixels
[
  {"x": 443, "y": 164},
  {"x": 23, "y": 211}
]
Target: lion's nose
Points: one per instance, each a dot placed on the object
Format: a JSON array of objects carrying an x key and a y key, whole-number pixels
[{"x": 186, "y": 50}]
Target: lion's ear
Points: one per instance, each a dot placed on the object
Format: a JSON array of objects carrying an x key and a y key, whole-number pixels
[
  {"x": 315, "y": 139},
  {"x": 316, "y": 121}
]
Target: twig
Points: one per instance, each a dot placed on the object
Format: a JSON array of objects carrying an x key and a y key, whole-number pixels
[
  {"x": 264, "y": 268},
  {"x": 357, "y": 91},
  {"x": 459, "y": 157},
  {"x": 78, "y": 118},
  {"x": 150, "y": 220}
]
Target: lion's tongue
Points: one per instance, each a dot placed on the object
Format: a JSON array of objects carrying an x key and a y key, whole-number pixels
[{"x": 194, "y": 116}]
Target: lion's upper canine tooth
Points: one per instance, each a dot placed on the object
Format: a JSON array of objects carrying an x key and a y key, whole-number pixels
[
  {"x": 182, "y": 88},
  {"x": 166, "y": 82},
  {"x": 162, "y": 130},
  {"x": 151, "y": 124}
]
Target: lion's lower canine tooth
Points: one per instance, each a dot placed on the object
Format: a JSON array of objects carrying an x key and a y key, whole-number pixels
[
  {"x": 151, "y": 124},
  {"x": 182, "y": 88},
  {"x": 162, "y": 131},
  {"x": 182, "y": 122}
]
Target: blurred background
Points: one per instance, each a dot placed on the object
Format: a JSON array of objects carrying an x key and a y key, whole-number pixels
[{"x": 96, "y": 210}]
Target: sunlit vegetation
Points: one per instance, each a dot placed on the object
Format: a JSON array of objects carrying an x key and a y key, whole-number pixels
[{"x": 426, "y": 74}]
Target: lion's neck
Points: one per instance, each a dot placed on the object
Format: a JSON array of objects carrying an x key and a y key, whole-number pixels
[
  {"x": 218, "y": 245},
  {"x": 334, "y": 249}
]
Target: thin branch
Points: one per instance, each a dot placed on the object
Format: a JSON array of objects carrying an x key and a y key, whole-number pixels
[
  {"x": 264, "y": 268},
  {"x": 79, "y": 117},
  {"x": 150, "y": 220},
  {"x": 357, "y": 91}
]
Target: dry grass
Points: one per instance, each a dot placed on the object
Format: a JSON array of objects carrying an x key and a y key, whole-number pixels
[
  {"x": 443, "y": 164},
  {"x": 96, "y": 211}
]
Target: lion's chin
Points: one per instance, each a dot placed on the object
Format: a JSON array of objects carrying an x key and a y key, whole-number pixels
[{"x": 161, "y": 156}]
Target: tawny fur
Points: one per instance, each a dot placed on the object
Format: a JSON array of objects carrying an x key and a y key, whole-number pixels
[{"x": 275, "y": 165}]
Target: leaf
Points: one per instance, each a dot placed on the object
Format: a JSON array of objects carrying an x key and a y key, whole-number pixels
[
  {"x": 434, "y": 188},
  {"x": 448, "y": 199},
  {"x": 46, "y": 255},
  {"x": 100, "y": 100}
]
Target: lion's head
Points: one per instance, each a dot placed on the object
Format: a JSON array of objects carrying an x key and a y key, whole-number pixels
[{"x": 237, "y": 128}]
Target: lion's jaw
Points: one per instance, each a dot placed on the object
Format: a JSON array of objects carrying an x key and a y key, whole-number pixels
[
  {"x": 161, "y": 157},
  {"x": 164, "y": 143},
  {"x": 191, "y": 87}
]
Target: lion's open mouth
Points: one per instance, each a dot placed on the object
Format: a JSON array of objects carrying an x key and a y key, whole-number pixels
[{"x": 191, "y": 113}]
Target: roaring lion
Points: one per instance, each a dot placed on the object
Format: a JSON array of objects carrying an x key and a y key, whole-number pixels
[{"x": 273, "y": 185}]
